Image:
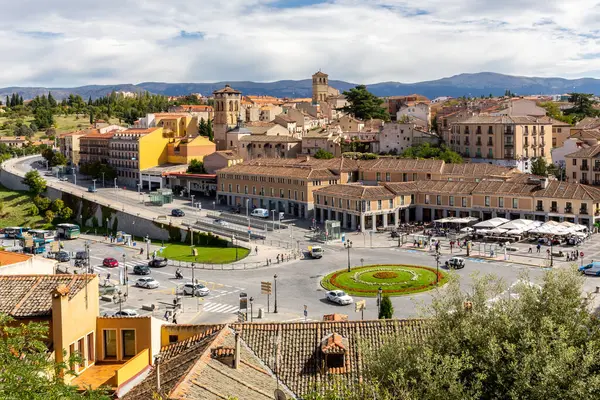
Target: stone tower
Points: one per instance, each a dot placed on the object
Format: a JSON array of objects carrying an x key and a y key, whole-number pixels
[
  {"x": 227, "y": 108},
  {"x": 320, "y": 87}
]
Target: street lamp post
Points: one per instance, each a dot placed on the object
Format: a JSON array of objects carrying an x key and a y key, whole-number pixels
[
  {"x": 193, "y": 279},
  {"x": 275, "y": 309},
  {"x": 247, "y": 207},
  {"x": 192, "y": 196},
  {"x": 437, "y": 268},
  {"x": 94, "y": 182},
  {"x": 551, "y": 255},
  {"x": 233, "y": 244},
  {"x": 103, "y": 185},
  {"x": 74, "y": 178},
  {"x": 214, "y": 205},
  {"x": 119, "y": 298},
  {"x": 273, "y": 211},
  {"x": 106, "y": 226},
  {"x": 379, "y": 292},
  {"x": 348, "y": 245},
  {"x": 251, "y": 312}
]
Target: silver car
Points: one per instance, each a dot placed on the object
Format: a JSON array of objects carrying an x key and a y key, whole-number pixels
[
  {"x": 340, "y": 297},
  {"x": 147, "y": 282},
  {"x": 198, "y": 289}
]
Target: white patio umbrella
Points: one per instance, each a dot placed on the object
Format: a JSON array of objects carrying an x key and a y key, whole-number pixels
[
  {"x": 517, "y": 224},
  {"x": 467, "y": 229},
  {"x": 498, "y": 230},
  {"x": 491, "y": 223}
]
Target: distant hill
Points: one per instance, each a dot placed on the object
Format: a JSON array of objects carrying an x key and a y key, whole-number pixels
[{"x": 478, "y": 84}]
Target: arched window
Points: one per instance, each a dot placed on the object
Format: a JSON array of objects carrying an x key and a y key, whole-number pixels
[
  {"x": 230, "y": 105},
  {"x": 237, "y": 106}
]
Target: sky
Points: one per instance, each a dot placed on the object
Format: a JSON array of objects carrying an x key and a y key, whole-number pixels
[{"x": 66, "y": 43}]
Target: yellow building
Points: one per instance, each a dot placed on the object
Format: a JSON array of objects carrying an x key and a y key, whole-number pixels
[
  {"x": 185, "y": 150},
  {"x": 177, "y": 125}
]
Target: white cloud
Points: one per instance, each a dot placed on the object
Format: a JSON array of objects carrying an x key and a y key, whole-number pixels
[{"x": 68, "y": 43}]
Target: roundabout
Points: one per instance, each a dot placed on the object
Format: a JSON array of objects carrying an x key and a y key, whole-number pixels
[{"x": 393, "y": 279}]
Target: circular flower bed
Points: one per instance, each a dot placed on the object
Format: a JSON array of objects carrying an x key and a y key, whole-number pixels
[
  {"x": 385, "y": 275},
  {"x": 394, "y": 280}
]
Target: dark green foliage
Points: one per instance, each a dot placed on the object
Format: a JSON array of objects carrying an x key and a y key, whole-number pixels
[
  {"x": 36, "y": 183},
  {"x": 386, "y": 310},
  {"x": 539, "y": 166},
  {"x": 196, "y": 167},
  {"x": 364, "y": 105},
  {"x": 427, "y": 150},
  {"x": 323, "y": 154},
  {"x": 96, "y": 169},
  {"x": 42, "y": 203}
]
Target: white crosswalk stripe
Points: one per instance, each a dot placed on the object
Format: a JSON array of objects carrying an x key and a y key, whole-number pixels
[{"x": 220, "y": 308}]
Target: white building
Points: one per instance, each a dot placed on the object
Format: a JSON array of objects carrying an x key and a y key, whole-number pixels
[
  {"x": 569, "y": 146},
  {"x": 418, "y": 110},
  {"x": 399, "y": 137}
]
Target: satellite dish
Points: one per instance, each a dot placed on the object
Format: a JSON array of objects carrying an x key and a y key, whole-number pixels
[{"x": 279, "y": 395}]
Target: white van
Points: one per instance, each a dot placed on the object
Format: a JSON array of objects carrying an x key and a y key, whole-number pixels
[{"x": 260, "y": 212}]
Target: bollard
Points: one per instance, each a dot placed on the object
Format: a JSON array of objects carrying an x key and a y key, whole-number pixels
[
  {"x": 597, "y": 289},
  {"x": 260, "y": 313}
]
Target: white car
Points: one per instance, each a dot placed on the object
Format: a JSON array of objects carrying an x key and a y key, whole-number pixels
[
  {"x": 340, "y": 297},
  {"x": 221, "y": 222},
  {"x": 197, "y": 289},
  {"x": 128, "y": 312},
  {"x": 63, "y": 179},
  {"x": 147, "y": 282}
]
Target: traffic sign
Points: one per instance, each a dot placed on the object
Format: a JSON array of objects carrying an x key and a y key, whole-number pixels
[
  {"x": 581, "y": 254},
  {"x": 360, "y": 305},
  {"x": 243, "y": 301},
  {"x": 265, "y": 287}
]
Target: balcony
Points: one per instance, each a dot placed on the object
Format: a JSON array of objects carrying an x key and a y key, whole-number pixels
[
  {"x": 542, "y": 144},
  {"x": 509, "y": 132},
  {"x": 490, "y": 143},
  {"x": 584, "y": 167},
  {"x": 568, "y": 210},
  {"x": 509, "y": 156},
  {"x": 509, "y": 144},
  {"x": 596, "y": 168},
  {"x": 584, "y": 181},
  {"x": 478, "y": 143},
  {"x": 490, "y": 131},
  {"x": 553, "y": 209},
  {"x": 478, "y": 131},
  {"x": 539, "y": 208},
  {"x": 583, "y": 211}
]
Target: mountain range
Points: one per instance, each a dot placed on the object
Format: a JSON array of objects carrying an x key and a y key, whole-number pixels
[{"x": 473, "y": 85}]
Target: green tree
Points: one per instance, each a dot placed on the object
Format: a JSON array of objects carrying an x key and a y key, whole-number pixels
[
  {"x": 28, "y": 372},
  {"x": 202, "y": 128},
  {"x": 51, "y": 101},
  {"x": 364, "y": 105},
  {"x": 58, "y": 159},
  {"x": 66, "y": 213},
  {"x": 427, "y": 150},
  {"x": 323, "y": 154},
  {"x": 386, "y": 309},
  {"x": 539, "y": 166},
  {"x": 36, "y": 183},
  {"x": 43, "y": 118},
  {"x": 540, "y": 343},
  {"x": 209, "y": 131},
  {"x": 196, "y": 167},
  {"x": 34, "y": 210},
  {"x": 42, "y": 203},
  {"x": 33, "y": 127},
  {"x": 57, "y": 206},
  {"x": 552, "y": 110},
  {"x": 49, "y": 216}
]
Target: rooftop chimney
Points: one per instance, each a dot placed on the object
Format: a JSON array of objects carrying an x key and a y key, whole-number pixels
[{"x": 236, "y": 356}]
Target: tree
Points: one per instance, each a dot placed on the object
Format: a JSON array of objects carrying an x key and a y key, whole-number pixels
[
  {"x": 323, "y": 154},
  {"x": 583, "y": 106},
  {"x": 552, "y": 110},
  {"x": 42, "y": 203},
  {"x": 539, "y": 167},
  {"x": 57, "y": 206},
  {"x": 58, "y": 159},
  {"x": 23, "y": 130},
  {"x": 209, "y": 131},
  {"x": 33, "y": 127},
  {"x": 51, "y": 101},
  {"x": 426, "y": 150},
  {"x": 27, "y": 371},
  {"x": 196, "y": 167},
  {"x": 43, "y": 118},
  {"x": 364, "y": 105},
  {"x": 202, "y": 128},
  {"x": 66, "y": 213},
  {"x": 434, "y": 124},
  {"x": 36, "y": 183},
  {"x": 386, "y": 309},
  {"x": 541, "y": 343},
  {"x": 49, "y": 216}
]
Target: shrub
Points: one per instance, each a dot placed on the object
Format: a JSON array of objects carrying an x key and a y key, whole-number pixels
[
  {"x": 385, "y": 275},
  {"x": 34, "y": 211},
  {"x": 386, "y": 309}
]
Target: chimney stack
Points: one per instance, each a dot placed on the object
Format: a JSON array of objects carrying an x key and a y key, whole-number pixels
[{"x": 236, "y": 355}]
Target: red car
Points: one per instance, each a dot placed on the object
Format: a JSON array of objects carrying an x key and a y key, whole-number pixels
[{"x": 110, "y": 262}]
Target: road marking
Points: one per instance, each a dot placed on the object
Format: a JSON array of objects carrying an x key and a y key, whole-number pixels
[
  {"x": 220, "y": 308},
  {"x": 301, "y": 319}
]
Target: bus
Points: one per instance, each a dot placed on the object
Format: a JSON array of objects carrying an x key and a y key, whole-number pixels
[
  {"x": 42, "y": 235},
  {"x": 14, "y": 232},
  {"x": 68, "y": 231}
]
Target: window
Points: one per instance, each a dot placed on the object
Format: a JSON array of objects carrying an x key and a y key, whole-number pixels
[
  {"x": 388, "y": 178},
  {"x": 173, "y": 338},
  {"x": 317, "y": 197},
  {"x": 379, "y": 204},
  {"x": 487, "y": 201},
  {"x": 128, "y": 341},
  {"x": 414, "y": 176},
  {"x": 246, "y": 189},
  {"x": 110, "y": 343},
  {"x": 302, "y": 196},
  {"x": 515, "y": 203},
  {"x": 281, "y": 193},
  {"x": 438, "y": 200},
  {"x": 253, "y": 189},
  {"x": 237, "y": 188},
  {"x": 378, "y": 176},
  {"x": 368, "y": 206},
  {"x": 295, "y": 195},
  {"x": 451, "y": 200},
  {"x": 464, "y": 201},
  {"x": 340, "y": 203},
  {"x": 91, "y": 348},
  {"x": 426, "y": 199},
  {"x": 574, "y": 175},
  {"x": 501, "y": 202},
  {"x": 289, "y": 194},
  {"x": 401, "y": 200},
  {"x": 574, "y": 161},
  {"x": 391, "y": 204}
]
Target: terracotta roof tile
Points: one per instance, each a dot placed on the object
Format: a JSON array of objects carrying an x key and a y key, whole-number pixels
[
  {"x": 356, "y": 191},
  {"x": 9, "y": 257},
  {"x": 31, "y": 295}
]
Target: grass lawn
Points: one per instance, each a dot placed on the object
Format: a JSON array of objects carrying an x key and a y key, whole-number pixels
[
  {"x": 15, "y": 210},
  {"x": 395, "y": 280},
  {"x": 212, "y": 255},
  {"x": 61, "y": 123}
]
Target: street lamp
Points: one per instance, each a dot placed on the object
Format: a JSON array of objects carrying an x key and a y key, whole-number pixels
[
  {"x": 106, "y": 226},
  {"x": 251, "y": 313},
  {"x": 147, "y": 247},
  {"x": 247, "y": 207},
  {"x": 119, "y": 298},
  {"x": 94, "y": 182},
  {"x": 437, "y": 268},
  {"x": 273, "y": 211},
  {"x": 103, "y": 185},
  {"x": 214, "y": 205},
  {"x": 193, "y": 280},
  {"x": 74, "y": 178},
  {"x": 233, "y": 244},
  {"x": 192, "y": 196},
  {"x": 275, "y": 278},
  {"x": 348, "y": 245},
  {"x": 379, "y": 292}
]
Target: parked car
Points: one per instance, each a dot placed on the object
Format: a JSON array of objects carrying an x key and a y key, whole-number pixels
[
  {"x": 81, "y": 255},
  {"x": 62, "y": 256},
  {"x": 141, "y": 270},
  {"x": 110, "y": 262},
  {"x": 63, "y": 179},
  {"x": 220, "y": 222},
  {"x": 48, "y": 173},
  {"x": 176, "y": 212},
  {"x": 340, "y": 297},
  {"x": 455, "y": 262},
  {"x": 588, "y": 266},
  {"x": 198, "y": 289},
  {"x": 148, "y": 283},
  {"x": 158, "y": 262},
  {"x": 260, "y": 212},
  {"x": 92, "y": 189},
  {"x": 128, "y": 312},
  {"x": 594, "y": 271}
]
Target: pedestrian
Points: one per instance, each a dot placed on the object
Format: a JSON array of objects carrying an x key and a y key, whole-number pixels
[
  {"x": 256, "y": 250},
  {"x": 530, "y": 250},
  {"x": 548, "y": 252},
  {"x": 175, "y": 319},
  {"x": 539, "y": 247},
  {"x": 166, "y": 315},
  {"x": 568, "y": 257}
]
